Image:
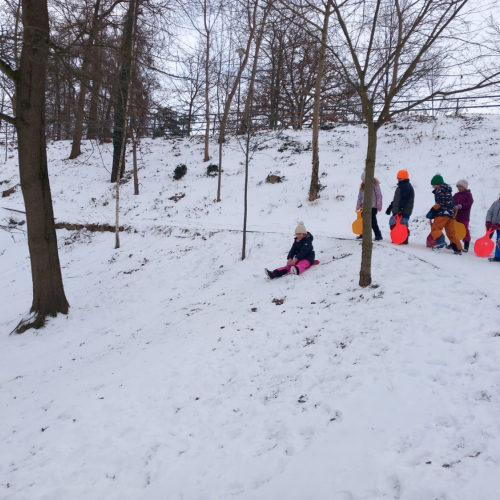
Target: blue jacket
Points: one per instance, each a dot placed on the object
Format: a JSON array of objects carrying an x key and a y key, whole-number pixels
[
  {"x": 445, "y": 206},
  {"x": 303, "y": 249}
]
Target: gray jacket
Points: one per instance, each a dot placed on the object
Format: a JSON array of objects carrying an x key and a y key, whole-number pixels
[{"x": 493, "y": 214}]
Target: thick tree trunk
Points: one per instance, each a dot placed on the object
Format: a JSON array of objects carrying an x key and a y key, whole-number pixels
[
  {"x": 120, "y": 125},
  {"x": 48, "y": 290},
  {"x": 314, "y": 188},
  {"x": 365, "y": 274}
]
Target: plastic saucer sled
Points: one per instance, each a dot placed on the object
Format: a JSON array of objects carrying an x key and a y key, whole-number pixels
[{"x": 400, "y": 232}]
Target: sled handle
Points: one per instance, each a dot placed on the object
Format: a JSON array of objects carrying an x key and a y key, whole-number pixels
[
  {"x": 397, "y": 218},
  {"x": 359, "y": 211}
]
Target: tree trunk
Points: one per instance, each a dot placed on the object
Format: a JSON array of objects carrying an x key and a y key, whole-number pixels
[
  {"x": 133, "y": 136},
  {"x": 258, "y": 42},
  {"x": 48, "y": 290},
  {"x": 230, "y": 97},
  {"x": 245, "y": 210},
  {"x": 128, "y": 76},
  {"x": 80, "y": 107},
  {"x": 207, "y": 88},
  {"x": 365, "y": 274},
  {"x": 120, "y": 120},
  {"x": 93, "y": 129},
  {"x": 314, "y": 188}
]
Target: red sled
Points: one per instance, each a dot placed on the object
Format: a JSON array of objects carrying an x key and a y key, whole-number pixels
[
  {"x": 315, "y": 263},
  {"x": 484, "y": 246},
  {"x": 400, "y": 232}
]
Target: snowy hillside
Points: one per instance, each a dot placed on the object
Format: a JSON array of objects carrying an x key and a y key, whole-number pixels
[{"x": 182, "y": 373}]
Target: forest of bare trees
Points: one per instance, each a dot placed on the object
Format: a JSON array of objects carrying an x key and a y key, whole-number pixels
[{"x": 119, "y": 70}]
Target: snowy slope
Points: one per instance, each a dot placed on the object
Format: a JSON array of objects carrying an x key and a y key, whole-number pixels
[{"x": 175, "y": 376}]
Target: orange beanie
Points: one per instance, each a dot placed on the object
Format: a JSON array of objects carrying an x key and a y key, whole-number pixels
[{"x": 403, "y": 174}]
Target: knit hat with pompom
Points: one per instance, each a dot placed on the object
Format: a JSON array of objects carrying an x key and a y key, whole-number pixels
[
  {"x": 363, "y": 175},
  {"x": 300, "y": 229},
  {"x": 464, "y": 183}
]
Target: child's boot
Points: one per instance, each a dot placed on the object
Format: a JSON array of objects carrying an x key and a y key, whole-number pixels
[
  {"x": 466, "y": 246},
  {"x": 360, "y": 237},
  {"x": 441, "y": 243},
  {"x": 294, "y": 270},
  {"x": 269, "y": 274},
  {"x": 494, "y": 259},
  {"x": 456, "y": 251}
]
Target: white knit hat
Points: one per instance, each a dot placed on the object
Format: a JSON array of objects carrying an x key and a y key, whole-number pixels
[
  {"x": 363, "y": 175},
  {"x": 464, "y": 183},
  {"x": 300, "y": 229}
]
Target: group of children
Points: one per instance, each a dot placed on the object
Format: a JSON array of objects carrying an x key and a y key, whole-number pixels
[{"x": 443, "y": 213}]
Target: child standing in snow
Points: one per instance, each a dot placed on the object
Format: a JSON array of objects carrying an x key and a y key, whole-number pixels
[
  {"x": 493, "y": 222},
  {"x": 376, "y": 205},
  {"x": 300, "y": 257},
  {"x": 443, "y": 213},
  {"x": 463, "y": 203},
  {"x": 403, "y": 201}
]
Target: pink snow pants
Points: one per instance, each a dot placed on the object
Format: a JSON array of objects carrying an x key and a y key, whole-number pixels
[{"x": 302, "y": 265}]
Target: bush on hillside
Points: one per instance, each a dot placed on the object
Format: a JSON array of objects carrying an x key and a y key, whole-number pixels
[
  {"x": 180, "y": 171},
  {"x": 212, "y": 170}
]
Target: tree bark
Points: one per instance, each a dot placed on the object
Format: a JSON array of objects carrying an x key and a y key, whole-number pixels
[
  {"x": 93, "y": 128},
  {"x": 365, "y": 274},
  {"x": 128, "y": 77},
  {"x": 120, "y": 120},
  {"x": 230, "y": 97},
  {"x": 207, "y": 86},
  {"x": 48, "y": 290},
  {"x": 314, "y": 188},
  {"x": 245, "y": 210},
  {"x": 258, "y": 42}
]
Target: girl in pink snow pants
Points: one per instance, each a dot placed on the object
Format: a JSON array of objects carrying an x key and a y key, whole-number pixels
[{"x": 300, "y": 257}]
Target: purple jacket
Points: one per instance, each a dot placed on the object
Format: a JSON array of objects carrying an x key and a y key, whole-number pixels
[
  {"x": 466, "y": 200},
  {"x": 376, "y": 199}
]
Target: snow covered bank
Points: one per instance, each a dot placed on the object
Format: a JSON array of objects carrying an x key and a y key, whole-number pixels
[{"x": 176, "y": 376}]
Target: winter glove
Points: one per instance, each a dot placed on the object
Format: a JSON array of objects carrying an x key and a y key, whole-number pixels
[
  {"x": 488, "y": 225},
  {"x": 458, "y": 207},
  {"x": 495, "y": 227},
  {"x": 388, "y": 211},
  {"x": 432, "y": 214}
]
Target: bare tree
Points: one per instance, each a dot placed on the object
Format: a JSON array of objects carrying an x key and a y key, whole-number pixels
[
  {"x": 252, "y": 7},
  {"x": 29, "y": 79}
]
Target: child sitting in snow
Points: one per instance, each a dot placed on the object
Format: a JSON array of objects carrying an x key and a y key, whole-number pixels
[
  {"x": 463, "y": 203},
  {"x": 443, "y": 213},
  {"x": 376, "y": 205},
  {"x": 493, "y": 222},
  {"x": 300, "y": 257}
]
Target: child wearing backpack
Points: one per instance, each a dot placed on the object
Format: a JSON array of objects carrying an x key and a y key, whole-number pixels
[
  {"x": 300, "y": 257},
  {"x": 402, "y": 203},
  {"x": 443, "y": 213},
  {"x": 493, "y": 222},
  {"x": 376, "y": 205},
  {"x": 463, "y": 203}
]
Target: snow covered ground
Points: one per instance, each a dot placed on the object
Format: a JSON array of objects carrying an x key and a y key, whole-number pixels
[{"x": 182, "y": 373}]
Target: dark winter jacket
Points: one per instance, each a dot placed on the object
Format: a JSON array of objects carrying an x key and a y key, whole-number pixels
[
  {"x": 303, "y": 249},
  {"x": 466, "y": 200},
  {"x": 445, "y": 206},
  {"x": 404, "y": 198}
]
